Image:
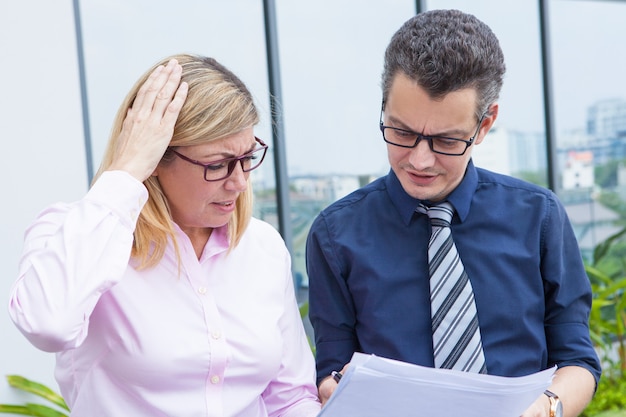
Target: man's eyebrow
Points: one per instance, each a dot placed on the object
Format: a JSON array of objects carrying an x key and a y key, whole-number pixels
[
  {"x": 399, "y": 124},
  {"x": 446, "y": 133}
]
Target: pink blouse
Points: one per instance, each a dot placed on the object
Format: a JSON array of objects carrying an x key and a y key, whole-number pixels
[{"x": 219, "y": 336}]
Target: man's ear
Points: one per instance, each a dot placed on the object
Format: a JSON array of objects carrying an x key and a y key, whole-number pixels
[{"x": 487, "y": 123}]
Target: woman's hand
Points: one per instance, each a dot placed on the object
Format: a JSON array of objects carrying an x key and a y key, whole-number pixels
[{"x": 149, "y": 123}]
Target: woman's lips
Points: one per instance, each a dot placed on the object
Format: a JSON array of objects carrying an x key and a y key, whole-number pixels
[{"x": 225, "y": 206}]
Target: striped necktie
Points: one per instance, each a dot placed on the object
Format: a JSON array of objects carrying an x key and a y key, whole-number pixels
[{"x": 456, "y": 336}]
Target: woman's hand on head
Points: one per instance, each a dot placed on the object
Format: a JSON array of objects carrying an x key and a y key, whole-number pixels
[{"x": 149, "y": 123}]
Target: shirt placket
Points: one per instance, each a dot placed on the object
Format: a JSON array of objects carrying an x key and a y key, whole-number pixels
[{"x": 216, "y": 341}]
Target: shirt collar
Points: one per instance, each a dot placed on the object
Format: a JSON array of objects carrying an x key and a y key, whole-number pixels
[
  {"x": 404, "y": 203},
  {"x": 218, "y": 241},
  {"x": 460, "y": 198}
]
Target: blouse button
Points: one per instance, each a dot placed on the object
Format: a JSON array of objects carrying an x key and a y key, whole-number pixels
[
  {"x": 202, "y": 290},
  {"x": 216, "y": 335},
  {"x": 215, "y": 379}
]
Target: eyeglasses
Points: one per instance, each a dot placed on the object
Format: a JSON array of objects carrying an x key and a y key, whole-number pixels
[
  {"x": 223, "y": 168},
  {"x": 438, "y": 144}
]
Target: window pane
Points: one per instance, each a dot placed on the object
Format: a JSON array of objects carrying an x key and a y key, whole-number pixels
[
  {"x": 123, "y": 39},
  {"x": 331, "y": 63},
  {"x": 516, "y": 145},
  {"x": 590, "y": 114}
]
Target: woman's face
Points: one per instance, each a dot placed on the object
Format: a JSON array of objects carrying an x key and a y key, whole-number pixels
[{"x": 198, "y": 204}]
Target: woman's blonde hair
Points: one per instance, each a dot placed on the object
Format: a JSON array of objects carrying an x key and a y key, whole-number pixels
[{"x": 218, "y": 104}]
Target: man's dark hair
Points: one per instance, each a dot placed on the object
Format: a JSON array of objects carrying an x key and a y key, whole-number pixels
[{"x": 445, "y": 51}]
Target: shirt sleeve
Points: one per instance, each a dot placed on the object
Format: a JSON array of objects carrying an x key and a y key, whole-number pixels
[
  {"x": 72, "y": 254},
  {"x": 568, "y": 295},
  {"x": 293, "y": 392},
  {"x": 332, "y": 312}
]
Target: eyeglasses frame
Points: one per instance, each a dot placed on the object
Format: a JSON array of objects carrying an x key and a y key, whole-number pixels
[
  {"x": 429, "y": 139},
  {"x": 232, "y": 161}
]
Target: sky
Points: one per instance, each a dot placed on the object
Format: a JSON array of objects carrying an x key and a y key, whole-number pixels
[{"x": 331, "y": 59}]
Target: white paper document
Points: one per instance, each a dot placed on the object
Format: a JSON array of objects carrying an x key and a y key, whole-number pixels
[{"x": 379, "y": 387}]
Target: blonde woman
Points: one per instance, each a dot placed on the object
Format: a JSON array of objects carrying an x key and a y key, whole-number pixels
[{"x": 159, "y": 293}]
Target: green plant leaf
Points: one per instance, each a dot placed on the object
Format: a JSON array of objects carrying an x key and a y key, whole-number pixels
[
  {"x": 603, "y": 248},
  {"x": 14, "y": 409},
  {"x": 607, "y": 322},
  {"x": 40, "y": 410},
  {"x": 599, "y": 275},
  {"x": 304, "y": 310},
  {"x": 38, "y": 389}
]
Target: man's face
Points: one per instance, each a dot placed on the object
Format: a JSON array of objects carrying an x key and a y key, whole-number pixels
[{"x": 426, "y": 175}]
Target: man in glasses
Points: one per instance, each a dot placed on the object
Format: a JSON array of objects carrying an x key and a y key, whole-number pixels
[{"x": 498, "y": 286}]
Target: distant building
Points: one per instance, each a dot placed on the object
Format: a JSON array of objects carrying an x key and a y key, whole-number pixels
[
  {"x": 607, "y": 119},
  {"x": 578, "y": 170},
  {"x": 605, "y": 134},
  {"x": 621, "y": 175},
  {"x": 493, "y": 152},
  {"x": 510, "y": 152},
  {"x": 527, "y": 151},
  {"x": 327, "y": 188}
]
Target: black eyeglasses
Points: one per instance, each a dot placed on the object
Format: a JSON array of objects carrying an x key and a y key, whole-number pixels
[
  {"x": 223, "y": 168},
  {"x": 438, "y": 144}
]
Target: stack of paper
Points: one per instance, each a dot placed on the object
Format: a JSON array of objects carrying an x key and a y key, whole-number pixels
[{"x": 380, "y": 387}]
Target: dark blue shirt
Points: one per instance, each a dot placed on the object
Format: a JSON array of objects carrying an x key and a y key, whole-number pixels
[{"x": 367, "y": 261}]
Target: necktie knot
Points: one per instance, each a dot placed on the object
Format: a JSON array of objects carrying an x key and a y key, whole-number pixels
[{"x": 440, "y": 214}]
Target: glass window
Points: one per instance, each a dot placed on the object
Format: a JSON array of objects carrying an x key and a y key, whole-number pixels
[
  {"x": 123, "y": 39},
  {"x": 331, "y": 63},
  {"x": 590, "y": 114},
  {"x": 516, "y": 145}
]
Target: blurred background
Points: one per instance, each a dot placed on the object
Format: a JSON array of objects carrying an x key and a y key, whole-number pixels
[{"x": 314, "y": 68}]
